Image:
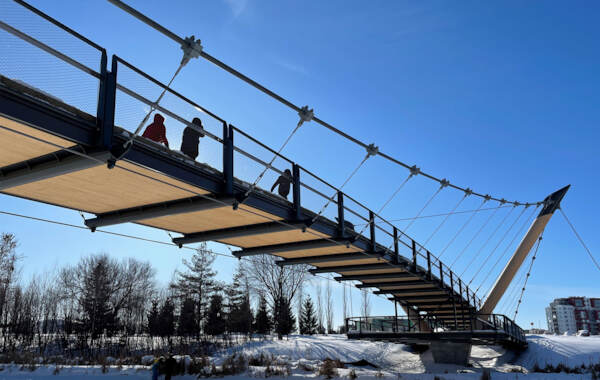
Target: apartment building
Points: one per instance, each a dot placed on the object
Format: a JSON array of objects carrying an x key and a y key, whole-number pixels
[{"x": 569, "y": 315}]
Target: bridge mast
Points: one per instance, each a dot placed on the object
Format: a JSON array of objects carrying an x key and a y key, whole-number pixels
[{"x": 551, "y": 204}]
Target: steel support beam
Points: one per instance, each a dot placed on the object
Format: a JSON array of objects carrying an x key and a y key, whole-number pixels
[
  {"x": 353, "y": 268},
  {"x": 156, "y": 210},
  {"x": 48, "y": 166},
  {"x": 289, "y": 247},
  {"x": 236, "y": 232},
  {"x": 391, "y": 283},
  {"x": 400, "y": 293},
  {"x": 415, "y": 299},
  {"x": 329, "y": 258},
  {"x": 361, "y": 277}
]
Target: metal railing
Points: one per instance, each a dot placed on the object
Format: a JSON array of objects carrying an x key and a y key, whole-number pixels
[{"x": 495, "y": 323}]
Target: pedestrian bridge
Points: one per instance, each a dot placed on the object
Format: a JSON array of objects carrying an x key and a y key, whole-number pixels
[{"x": 68, "y": 132}]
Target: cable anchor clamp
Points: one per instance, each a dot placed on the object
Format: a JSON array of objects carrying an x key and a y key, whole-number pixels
[
  {"x": 372, "y": 150},
  {"x": 192, "y": 48},
  {"x": 414, "y": 170},
  {"x": 468, "y": 192},
  {"x": 444, "y": 183},
  {"x": 306, "y": 115}
]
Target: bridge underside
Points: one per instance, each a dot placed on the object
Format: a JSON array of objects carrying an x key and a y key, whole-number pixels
[
  {"x": 476, "y": 337},
  {"x": 46, "y": 153}
]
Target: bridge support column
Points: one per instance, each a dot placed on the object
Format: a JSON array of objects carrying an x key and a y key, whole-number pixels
[{"x": 451, "y": 352}]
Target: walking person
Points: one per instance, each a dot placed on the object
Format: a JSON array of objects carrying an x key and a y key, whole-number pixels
[
  {"x": 157, "y": 131},
  {"x": 191, "y": 139},
  {"x": 283, "y": 182},
  {"x": 170, "y": 365},
  {"x": 156, "y": 367}
]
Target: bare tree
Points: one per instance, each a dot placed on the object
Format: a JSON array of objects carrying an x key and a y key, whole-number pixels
[
  {"x": 275, "y": 282},
  {"x": 320, "y": 327},
  {"x": 365, "y": 305},
  {"x": 8, "y": 262},
  {"x": 344, "y": 303},
  {"x": 329, "y": 307}
]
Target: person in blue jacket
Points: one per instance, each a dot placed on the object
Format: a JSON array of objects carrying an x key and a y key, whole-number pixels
[{"x": 156, "y": 366}]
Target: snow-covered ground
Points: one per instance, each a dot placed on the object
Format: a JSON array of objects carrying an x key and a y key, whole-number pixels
[{"x": 394, "y": 361}]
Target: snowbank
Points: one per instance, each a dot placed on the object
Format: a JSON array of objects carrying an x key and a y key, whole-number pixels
[{"x": 560, "y": 349}]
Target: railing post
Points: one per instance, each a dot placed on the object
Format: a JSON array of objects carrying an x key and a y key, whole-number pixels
[
  {"x": 396, "y": 251},
  {"x": 462, "y": 307},
  {"x": 107, "y": 94},
  {"x": 296, "y": 191},
  {"x": 228, "y": 159},
  {"x": 372, "y": 230},
  {"x": 441, "y": 274},
  {"x": 453, "y": 299},
  {"x": 396, "y": 315},
  {"x": 341, "y": 220},
  {"x": 414, "y": 253},
  {"x": 429, "y": 265}
]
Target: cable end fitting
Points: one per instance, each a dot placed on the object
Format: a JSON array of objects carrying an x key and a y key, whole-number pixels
[
  {"x": 414, "y": 170},
  {"x": 192, "y": 48},
  {"x": 306, "y": 114},
  {"x": 444, "y": 182},
  {"x": 372, "y": 150},
  {"x": 502, "y": 201},
  {"x": 468, "y": 192}
]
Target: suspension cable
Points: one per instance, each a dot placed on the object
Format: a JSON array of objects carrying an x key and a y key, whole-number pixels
[
  {"x": 425, "y": 205},
  {"x": 509, "y": 300},
  {"x": 443, "y": 222},
  {"x": 386, "y": 202},
  {"x": 200, "y": 52},
  {"x": 474, "y": 236},
  {"x": 306, "y": 115},
  {"x": 518, "y": 232},
  {"x": 579, "y": 238},
  {"x": 497, "y": 245},
  {"x": 372, "y": 150},
  {"x": 527, "y": 276},
  {"x": 487, "y": 241}
]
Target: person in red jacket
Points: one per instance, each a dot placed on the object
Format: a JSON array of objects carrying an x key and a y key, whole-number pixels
[{"x": 157, "y": 131}]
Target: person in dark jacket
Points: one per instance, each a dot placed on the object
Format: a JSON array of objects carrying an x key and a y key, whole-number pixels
[
  {"x": 157, "y": 131},
  {"x": 170, "y": 365},
  {"x": 191, "y": 139},
  {"x": 284, "y": 182}
]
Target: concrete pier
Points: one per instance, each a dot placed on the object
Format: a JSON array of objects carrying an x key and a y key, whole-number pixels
[{"x": 451, "y": 353}]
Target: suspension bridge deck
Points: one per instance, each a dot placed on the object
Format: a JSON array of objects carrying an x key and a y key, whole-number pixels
[
  {"x": 51, "y": 156},
  {"x": 56, "y": 153}
]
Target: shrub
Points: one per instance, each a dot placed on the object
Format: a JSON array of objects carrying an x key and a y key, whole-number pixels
[
  {"x": 328, "y": 369},
  {"x": 352, "y": 374}
]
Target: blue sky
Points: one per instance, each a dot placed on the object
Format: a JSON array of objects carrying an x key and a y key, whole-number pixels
[{"x": 501, "y": 98}]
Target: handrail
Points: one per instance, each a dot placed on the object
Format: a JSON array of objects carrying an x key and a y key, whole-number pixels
[{"x": 59, "y": 24}]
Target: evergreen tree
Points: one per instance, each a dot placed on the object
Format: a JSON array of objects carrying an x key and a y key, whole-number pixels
[
  {"x": 262, "y": 322},
  {"x": 153, "y": 319},
  {"x": 187, "y": 318},
  {"x": 284, "y": 317},
  {"x": 98, "y": 316},
  {"x": 215, "y": 320},
  {"x": 308, "y": 319},
  {"x": 198, "y": 282},
  {"x": 167, "y": 319},
  {"x": 239, "y": 312}
]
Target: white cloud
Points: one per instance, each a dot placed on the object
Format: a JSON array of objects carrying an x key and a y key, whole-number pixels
[{"x": 237, "y": 7}]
